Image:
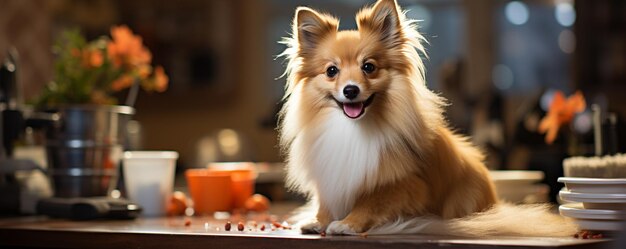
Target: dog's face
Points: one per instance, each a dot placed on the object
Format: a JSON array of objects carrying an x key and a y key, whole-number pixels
[{"x": 349, "y": 71}]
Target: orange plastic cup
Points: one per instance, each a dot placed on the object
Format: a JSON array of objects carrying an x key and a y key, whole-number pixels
[
  {"x": 243, "y": 186},
  {"x": 243, "y": 177},
  {"x": 210, "y": 191}
]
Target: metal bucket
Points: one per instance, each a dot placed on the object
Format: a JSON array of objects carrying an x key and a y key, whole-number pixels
[{"x": 84, "y": 149}]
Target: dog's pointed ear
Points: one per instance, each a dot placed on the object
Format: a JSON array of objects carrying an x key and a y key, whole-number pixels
[
  {"x": 384, "y": 19},
  {"x": 310, "y": 27}
]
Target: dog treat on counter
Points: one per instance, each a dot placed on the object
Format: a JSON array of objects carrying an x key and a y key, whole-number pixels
[
  {"x": 256, "y": 226},
  {"x": 588, "y": 235},
  {"x": 227, "y": 226}
]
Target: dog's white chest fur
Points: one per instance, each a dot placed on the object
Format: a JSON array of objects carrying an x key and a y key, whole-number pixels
[{"x": 340, "y": 160}]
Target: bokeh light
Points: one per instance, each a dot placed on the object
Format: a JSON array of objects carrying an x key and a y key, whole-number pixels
[
  {"x": 565, "y": 14},
  {"x": 502, "y": 77},
  {"x": 516, "y": 12},
  {"x": 567, "y": 41}
]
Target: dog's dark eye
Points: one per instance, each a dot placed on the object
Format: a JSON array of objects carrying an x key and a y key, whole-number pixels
[
  {"x": 368, "y": 67},
  {"x": 332, "y": 71}
]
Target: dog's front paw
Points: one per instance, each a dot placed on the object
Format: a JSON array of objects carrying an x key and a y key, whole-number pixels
[
  {"x": 312, "y": 228},
  {"x": 340, "y": 228}
]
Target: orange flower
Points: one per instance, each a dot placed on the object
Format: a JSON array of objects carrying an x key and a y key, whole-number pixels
[
  {"x": 144, "y": 71},
  {"x": 123, "y": 82},
  {"x": 160, "y": 79},
  {"x": 90, "y": 57},
  {"x": 95, "y": 58},
  {"x": 127, "y": 49},
  {"x": 561, "y": 112}
]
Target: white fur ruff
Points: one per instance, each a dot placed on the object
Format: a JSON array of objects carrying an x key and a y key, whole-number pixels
[{"x": 340, "y": 159}]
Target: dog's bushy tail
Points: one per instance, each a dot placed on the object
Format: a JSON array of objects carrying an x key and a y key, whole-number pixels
[{"x": 502, "y": 220}]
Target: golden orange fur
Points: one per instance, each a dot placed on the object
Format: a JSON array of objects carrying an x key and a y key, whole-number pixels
[{"x": 393, "y": 169}]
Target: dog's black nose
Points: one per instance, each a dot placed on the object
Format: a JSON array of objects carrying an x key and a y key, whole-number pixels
[{"x": 351, "y": 91}]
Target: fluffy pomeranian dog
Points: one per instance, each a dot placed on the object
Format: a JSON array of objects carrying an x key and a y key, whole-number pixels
[{"x": 368, "y": 142}]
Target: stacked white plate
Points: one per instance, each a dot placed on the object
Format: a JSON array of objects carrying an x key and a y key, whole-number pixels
[{"x": 595, "y": 203}]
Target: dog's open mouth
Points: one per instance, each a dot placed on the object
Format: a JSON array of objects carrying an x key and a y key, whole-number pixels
[{"x": 355, "y": 110}]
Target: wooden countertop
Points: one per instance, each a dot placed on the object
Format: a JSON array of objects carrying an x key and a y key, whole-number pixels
[{"x": 37, "y": 231}]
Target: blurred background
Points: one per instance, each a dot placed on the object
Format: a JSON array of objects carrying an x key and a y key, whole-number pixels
[{"x": 498, "y": 62}]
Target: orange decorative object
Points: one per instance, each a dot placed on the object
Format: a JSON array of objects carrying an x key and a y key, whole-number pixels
[
  {"x": 257, "y": 203},
  {"x": 210, "y": 190},
  {"x": 561, "y": 112},
  {"x": 243, "y": 175},
  {"x": 177, "y": 204}
]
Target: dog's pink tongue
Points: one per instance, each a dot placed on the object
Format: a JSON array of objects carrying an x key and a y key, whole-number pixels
[{"x": 353, "y": 110}]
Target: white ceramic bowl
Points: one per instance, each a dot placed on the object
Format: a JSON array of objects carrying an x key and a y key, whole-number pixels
[
  {"x": 515, "y": 177},
  {"x": 519, "y": 186},
  {"x": 535, "y": 193}
]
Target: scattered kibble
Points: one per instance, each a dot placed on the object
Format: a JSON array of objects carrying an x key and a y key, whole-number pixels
[
  {"x": 227, "y": 226},
  {"x": 276, "y": 224},
  {"x": 585, "y": 235},
  {"x": 323, "y": 234},
  {"x": 588, "y": 235},
  {"x": 253, "y": 225},
  {"x": 187, "y": 222}
]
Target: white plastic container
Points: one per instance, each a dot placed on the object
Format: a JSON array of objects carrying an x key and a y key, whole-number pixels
[{"x": 149, "y": 179}]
